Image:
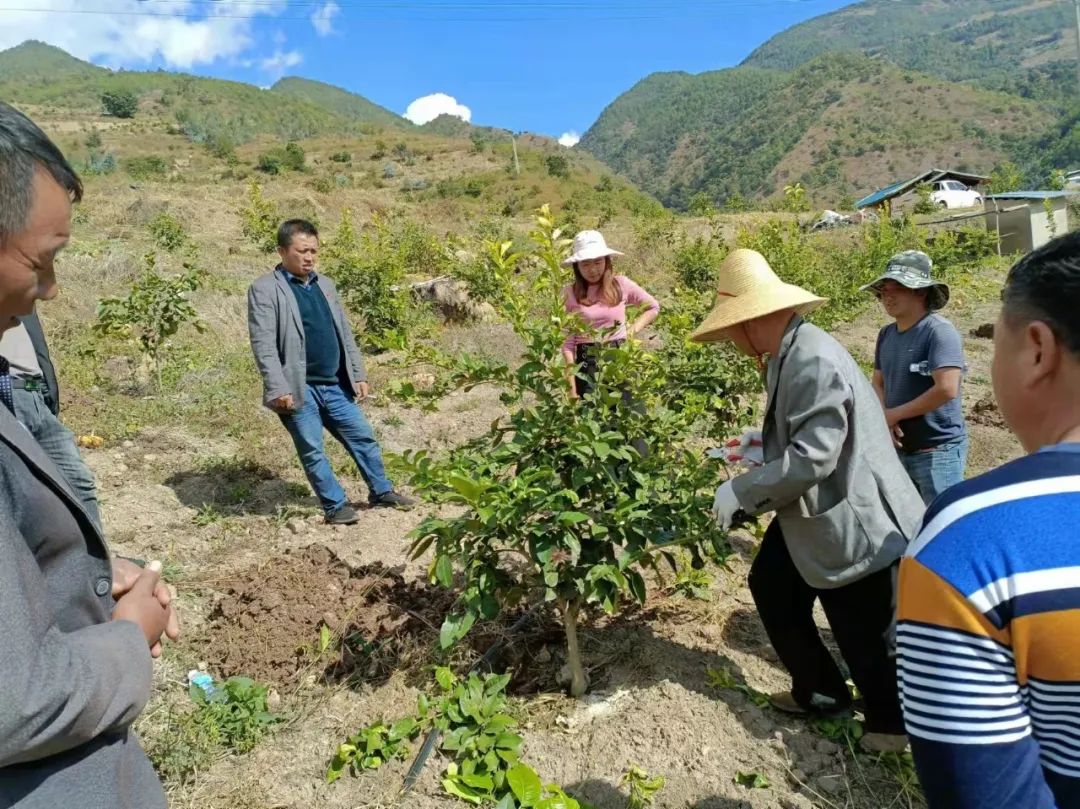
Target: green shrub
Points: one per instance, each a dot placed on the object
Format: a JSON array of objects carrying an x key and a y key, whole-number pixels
[
  {"x": 259, "y": 220},
  {"x": 168, "y": 232},
  {"x": 369, "y": 270},
  {"x": 341, "y": 157},
  {"x": 925, "y": 205},
  {"x": 696, "y": 264},
  {"x": 293, "y": 156},
  {"x": 1004, "y": 178},
  {"x": 290, "y": 158},
  {"x": 100, "y": 164},
  {"x": 269, "y": 162},
  {"x": 557, "y": 165},
  {"x": 222, "y": 147},
  {"x": 154, "y": 310},
  {"x": 120, "y": 103},
  {"x": 701, "y": 204},
  {"x": 736, "y": 203},
  {"x": 233, "y": 719},
  {"x": 93, "y": 140},
  {"x": 145, "y": 167}
]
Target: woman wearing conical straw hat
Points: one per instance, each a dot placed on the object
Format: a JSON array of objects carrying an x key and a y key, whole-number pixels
[{"x": 845, "y": 507}]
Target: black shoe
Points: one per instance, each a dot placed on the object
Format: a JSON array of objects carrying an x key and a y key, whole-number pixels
[
  {"x": 392, "y": 499},
  {"x": 346, "y": 515}
]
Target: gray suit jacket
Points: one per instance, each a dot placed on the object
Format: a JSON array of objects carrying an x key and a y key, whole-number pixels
[
  {"x": 73, "y": 680},
  {"x": 846, "y": 505},
  {"x": 41, "y": 349},
  {"x": 277, "y": 337}
]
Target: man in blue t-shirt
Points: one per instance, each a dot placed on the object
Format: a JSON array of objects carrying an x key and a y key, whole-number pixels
[{"x": 918, "y": 369}]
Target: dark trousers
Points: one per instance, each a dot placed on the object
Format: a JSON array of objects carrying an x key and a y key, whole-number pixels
[{"x": 860, "y": 615}]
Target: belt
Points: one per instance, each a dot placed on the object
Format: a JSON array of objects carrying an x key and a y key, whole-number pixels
[{"x": 31, "y": 383}]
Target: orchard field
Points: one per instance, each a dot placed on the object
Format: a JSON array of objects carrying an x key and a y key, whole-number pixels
[{"x": 533, "y": 508}]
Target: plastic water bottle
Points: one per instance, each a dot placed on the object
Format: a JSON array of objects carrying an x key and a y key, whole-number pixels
[{"x": 203, "y": 681}]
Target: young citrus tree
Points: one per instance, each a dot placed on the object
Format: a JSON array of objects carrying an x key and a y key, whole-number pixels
[
  {"x": 154, "y": 310},
  {"x": 557, "y": 504}
]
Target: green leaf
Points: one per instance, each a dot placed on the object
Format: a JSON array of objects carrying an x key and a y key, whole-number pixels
[
  {"x": 454, "y": 628},
  {"x": 752, "y": 780},
  {"x": 459, "y": 790},
  {"x": 469, "y": 489},
  {"x": 324, "y": 638},
  {"x": 637, "y": 585},
  {"x": 509, "y": 741},
  {"x": 444, "y": 571},
  {"x": 571, "y": 517},
  {"x": 478, "y": 782},
  {"x": 419, "y": 548},
  {"x": 445, "y": 678},
  {"x": 525, "y": 784},
  {"x": 507, "y": 802},
  {"x": 403, "y": 729}
]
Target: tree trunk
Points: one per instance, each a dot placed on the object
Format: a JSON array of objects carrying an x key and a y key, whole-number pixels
[{"x": 579, "y": 681}]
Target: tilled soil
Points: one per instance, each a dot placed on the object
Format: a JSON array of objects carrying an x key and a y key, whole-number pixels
[
  {"x": 986, "y": 412},
  {"x": 266, "y": 622}
]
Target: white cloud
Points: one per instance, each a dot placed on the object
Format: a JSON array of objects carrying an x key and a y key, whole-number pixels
[
  {"x": 323, "y": 18},
  {"x": 281, "y": 61},
  {"x": 129, "y": 33},
  {"x": 569, "y": 139},
  {"x": 428, "y": 108}
]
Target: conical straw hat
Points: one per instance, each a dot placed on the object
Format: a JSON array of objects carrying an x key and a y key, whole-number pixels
[{"x": 747, "y": 288}]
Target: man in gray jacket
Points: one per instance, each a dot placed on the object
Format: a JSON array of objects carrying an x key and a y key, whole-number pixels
[
  {"x": 313, "y": 373},
  {"x": 845, "y": 507},
  {"x": 78, "y": 628}
]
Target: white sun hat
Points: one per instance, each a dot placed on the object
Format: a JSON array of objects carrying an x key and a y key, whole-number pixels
[{"x": 589, "y": 244}]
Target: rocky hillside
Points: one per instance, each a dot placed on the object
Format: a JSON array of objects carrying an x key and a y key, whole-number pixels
[{"x": 1027, "y": 47}]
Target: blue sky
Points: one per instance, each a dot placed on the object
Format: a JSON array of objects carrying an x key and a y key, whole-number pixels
[{"x": 548, "y": 66}]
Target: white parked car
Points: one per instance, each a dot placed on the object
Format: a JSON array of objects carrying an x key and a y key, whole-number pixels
[{"x": 954, "y": 194}]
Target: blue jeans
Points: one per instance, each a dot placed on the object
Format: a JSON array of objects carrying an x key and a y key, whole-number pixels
[
  {"x": 59, "y": 444},
  {"x": 328, "y": 406},
  {"x": 935, "y": 470}
]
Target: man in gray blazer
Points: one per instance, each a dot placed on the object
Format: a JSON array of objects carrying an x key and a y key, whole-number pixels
[
  {"x": 37, "y": 406},
  {"x": 313, "y": 373},
  {"x": 78, "y": 628},
  {"x": 845, "y": 507}
]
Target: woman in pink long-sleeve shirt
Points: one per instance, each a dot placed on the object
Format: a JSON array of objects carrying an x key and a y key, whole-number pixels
[{"x": 600, "y": 298}]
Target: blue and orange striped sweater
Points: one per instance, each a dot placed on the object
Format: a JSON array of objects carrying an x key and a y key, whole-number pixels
[{"x": 988, "y": 639}]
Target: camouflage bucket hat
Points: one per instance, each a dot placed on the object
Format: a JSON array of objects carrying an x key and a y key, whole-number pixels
[{"x": 912, "y": 270}]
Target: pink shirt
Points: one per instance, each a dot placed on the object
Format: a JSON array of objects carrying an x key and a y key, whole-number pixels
[{"x": 601, "y": 316}]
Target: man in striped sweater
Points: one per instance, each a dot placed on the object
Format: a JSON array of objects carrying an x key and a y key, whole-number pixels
[{"x": 989, "y": 605}]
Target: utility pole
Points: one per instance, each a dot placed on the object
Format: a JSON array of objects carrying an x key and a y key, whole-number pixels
[
  {"x": 513, "y": 140},
  {"x": 1077, "y": 4}
]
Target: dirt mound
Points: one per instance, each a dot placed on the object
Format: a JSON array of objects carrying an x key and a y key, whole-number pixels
[
  {"x": 266, "y": 622},
  {"x": 986, "y": 413},
  {"x": 984, "y": 332}
]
